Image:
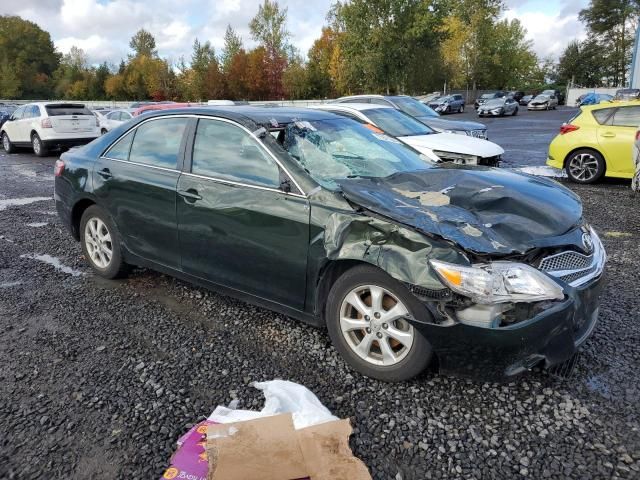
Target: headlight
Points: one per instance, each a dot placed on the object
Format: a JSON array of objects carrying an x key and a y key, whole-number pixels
[{"x": 498, "y": 282}]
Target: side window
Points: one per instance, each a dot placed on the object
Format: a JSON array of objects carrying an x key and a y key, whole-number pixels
[
  {"x": 120, "y": 149},
  {"x": 380, "y": 101},
  {"x": 125, "y": 116},
  {"x": 27, "y": 112},
  {"x": 357, "y": 100},
  {"x": 225, "y": 151},
  {"x": 603, "y": 115},
  {"x": 113, "y": 116},
  {"x": 157, "y": 143},
  {"x": 35, "y": 111},
  {"x": 627, "y": 117},
  {"x": 18, "y": 114}
]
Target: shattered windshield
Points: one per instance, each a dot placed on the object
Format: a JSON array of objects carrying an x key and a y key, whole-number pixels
[{"x": 336, "y": 149}]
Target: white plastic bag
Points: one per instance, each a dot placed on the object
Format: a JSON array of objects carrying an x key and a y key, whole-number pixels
[{"x": 281, "y": 396}]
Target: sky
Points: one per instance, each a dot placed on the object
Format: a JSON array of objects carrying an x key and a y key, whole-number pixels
[{"x": 102, "y": 28}]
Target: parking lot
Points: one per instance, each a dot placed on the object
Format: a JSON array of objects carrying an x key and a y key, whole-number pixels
[{"x": 100, "y": 378}]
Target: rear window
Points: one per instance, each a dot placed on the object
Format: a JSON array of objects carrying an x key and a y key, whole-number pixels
[
  {"x": 602, "y": 115},
  {"x": 67, "y": 109}
]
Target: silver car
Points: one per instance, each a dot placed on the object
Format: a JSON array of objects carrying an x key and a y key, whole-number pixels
[
  {"x": 543, "y": 102},
  {"x": 498, "y": 107}
]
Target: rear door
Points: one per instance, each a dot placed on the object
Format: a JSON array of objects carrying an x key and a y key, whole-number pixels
[
  {"x": 71, "y": 118},
  {"x": 617, "y": 139},
  {"x": 136, "y": 179},
  {"x": 238, "y": 227},
  {"x": 12, "y": 127},
  {"x": 23, "y": 125}
]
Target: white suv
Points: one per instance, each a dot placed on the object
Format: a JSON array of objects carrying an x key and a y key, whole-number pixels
[{"x": 49, "y": 125}]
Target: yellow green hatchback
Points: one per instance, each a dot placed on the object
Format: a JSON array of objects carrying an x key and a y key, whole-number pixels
[{"x": 597, "y": 142}]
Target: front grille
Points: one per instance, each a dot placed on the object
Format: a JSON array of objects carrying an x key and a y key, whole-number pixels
[
  {"x": 573, "y": 267},
  {"x": 569, "y": 260},
  {"x": 477, "y": 133}
]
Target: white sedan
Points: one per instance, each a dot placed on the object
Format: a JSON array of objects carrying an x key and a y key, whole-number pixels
[
  {"x": 114, "y": 118},
  {"x": 447, "y": 147}
]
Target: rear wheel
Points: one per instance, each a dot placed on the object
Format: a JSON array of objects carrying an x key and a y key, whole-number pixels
[
  {"x": 101, "y": 243},
  {"x": 6, "y": 143},
  {"x": 38, "y": 147},
  {"x": 367, "y": 318},
  {"x": 103, "y": 131},
  {"x": 585, "y": 166}
]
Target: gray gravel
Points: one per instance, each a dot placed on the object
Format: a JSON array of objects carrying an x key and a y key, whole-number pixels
[{"x": 100, "y": 378}]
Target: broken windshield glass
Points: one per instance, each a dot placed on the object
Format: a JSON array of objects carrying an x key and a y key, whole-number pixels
[{"x": 336, "y": 149}]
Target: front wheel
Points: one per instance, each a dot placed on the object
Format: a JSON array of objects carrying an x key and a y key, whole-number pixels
[
  {"x": 585, "y": 166},
  {"x": 101, "y": 243},
  {"x": 515, "y": 112},
  {"x": 103, "y": 131},
  {"x": 6, "y": 143},
  {"x": 38, "y": 147},
  {"x": 461, "y": 109},
  {"x": 368, "y": 316}
]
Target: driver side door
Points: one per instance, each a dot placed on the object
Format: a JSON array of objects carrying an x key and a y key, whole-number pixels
[{"x": 238, "y": 226}]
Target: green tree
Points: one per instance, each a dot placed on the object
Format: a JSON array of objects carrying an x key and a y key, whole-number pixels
[
  {"x": 268, "y": 28},
  {"x": 232, "y": 45},
  {"x": 28, "y": 53},
  {"x": 143, "y": 43},
  {"x": 613, "y": 23}
]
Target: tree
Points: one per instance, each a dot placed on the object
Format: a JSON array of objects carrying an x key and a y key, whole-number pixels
[
  {"x": 294, "y": 79},
  {"x": 202, "y": 58},
  {"x": 232, "y": 45},
  {"x": 321, "y": 84},
  {"x": 28, "y": 54},
  {"x": 268, "y": 28},
  {"x": 613, "y": 23},
  {"x": 584, "y": 63},
  {"x": 236, "y": 76},
  {"x": 143, "y": 43}
]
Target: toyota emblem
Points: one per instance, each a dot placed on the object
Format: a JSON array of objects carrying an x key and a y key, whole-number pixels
[{"x": 587, "y": 242}]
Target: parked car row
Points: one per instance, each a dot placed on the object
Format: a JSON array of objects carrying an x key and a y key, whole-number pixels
[{"x": 340, "y": 218}]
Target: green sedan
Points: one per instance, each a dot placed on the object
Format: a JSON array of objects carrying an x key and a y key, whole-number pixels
[{"x": 327, "y": 221}]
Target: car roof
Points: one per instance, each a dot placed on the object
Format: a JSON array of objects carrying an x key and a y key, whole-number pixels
[
  {"x": 614, "y": 104},
  {"x": 360, "y": 107},
  {"x": 268, "y": 116}
]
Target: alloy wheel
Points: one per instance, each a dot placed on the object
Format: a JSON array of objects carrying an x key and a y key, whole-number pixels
[
  {"x": 97, "y": 239},
  {"x": 583, "y": 167},
  {"x": 373, "y": 322},
  {"x": 36, "y": 145},
  {"x": 5, "y": 142}
]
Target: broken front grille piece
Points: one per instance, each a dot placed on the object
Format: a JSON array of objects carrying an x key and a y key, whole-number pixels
[{"x": 573, "y": 267}]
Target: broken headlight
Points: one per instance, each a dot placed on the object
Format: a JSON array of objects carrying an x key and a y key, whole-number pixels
[{"x": 498, "y": 282}]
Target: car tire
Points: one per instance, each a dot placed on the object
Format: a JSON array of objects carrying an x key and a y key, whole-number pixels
[
  {"x": 461, "y": 109},
  {"x": 585, "y": 166},
  {"x": 100, "y": 242},
  {"x": 103, "y": 131},
  {"x": 363, "y": 348},
  {"x": 6, "y": 143},
  {"x": 38, "y": 147},
  {"x": 515, "y": 112}
]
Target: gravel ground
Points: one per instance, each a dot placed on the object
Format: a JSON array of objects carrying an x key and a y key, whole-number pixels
[{"x": 100, "y": 378}]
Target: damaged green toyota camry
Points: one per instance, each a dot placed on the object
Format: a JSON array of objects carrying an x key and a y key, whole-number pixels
[{"x": 478, "y": 271}]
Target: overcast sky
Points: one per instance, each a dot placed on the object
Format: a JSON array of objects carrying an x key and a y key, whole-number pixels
[{"x": 103, "y": 27}]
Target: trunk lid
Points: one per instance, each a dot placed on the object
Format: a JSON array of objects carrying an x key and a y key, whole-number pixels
[{"x": 71, "y": 118}]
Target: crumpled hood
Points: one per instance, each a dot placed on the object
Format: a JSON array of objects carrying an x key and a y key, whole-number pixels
[
  {"x": 483, "y": 210},
  {"x": 440, "y": 124},
  {"x": 451, "y": 142}
]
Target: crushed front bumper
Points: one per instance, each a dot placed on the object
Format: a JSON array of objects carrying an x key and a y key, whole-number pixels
[{"x": 547, "y": 339}]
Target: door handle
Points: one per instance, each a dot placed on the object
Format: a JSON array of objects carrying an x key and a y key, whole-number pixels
[
  {"x": 608, "y": 135},
  {"x": 105, "y": 173},
  {"x": 190, "y": 195}
]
